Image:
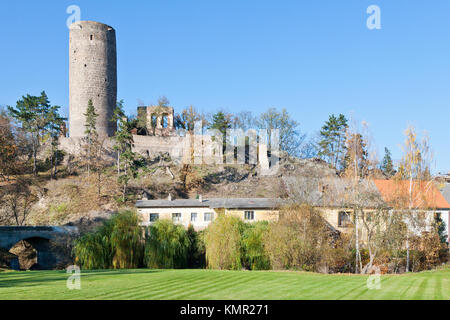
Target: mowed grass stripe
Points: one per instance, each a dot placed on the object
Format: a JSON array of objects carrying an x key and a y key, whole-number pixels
[
  {"x": 215, "y": 284},
  {"x": 344, "y": 287},
  {"x": 146, "y": 291},
  {"x": 182, "y": 283},
  {"x": 162, "y": 284},
  {"x": 237, "y": 286},
  {"x": 314, "y": 286},
  {"x": 438, "y": 287},
  {"x": 225, "y": 279}
]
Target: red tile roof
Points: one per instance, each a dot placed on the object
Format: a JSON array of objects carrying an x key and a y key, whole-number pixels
[{"x": 425, "y": 195}]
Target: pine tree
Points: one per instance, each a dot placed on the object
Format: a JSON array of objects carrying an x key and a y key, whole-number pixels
[
  {"x": 441, "y": 227},
  {"x": 356, "y": 157},
  {"x": 332, "y": 140},
  {"x": 221, "y": 122},
  {"x": 126, "y": 158},
  {"x": 387, "y": 166},
  {"x": 36, "y": 117},
  {"x": 123, "y": 137},
  {"x": 90, "y": 132},
  {"x": 54, "y": 130}
]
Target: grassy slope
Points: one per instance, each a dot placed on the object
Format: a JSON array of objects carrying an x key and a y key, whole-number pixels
[{"x": 212, "y": 284}]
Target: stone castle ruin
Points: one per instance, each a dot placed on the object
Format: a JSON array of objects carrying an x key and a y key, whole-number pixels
[{"x": 93, "y": 76}]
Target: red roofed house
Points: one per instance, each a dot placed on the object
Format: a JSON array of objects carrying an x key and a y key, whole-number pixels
[{"x": 420, "y": 196}]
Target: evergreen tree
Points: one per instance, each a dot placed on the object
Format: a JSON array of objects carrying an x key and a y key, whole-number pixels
[
  {"x": 221, "y": 122},
  {"x": 356, "y": 157},
  {"x": 387, "y": 166},
  {"x": 36, "y": 117},
  {"x": 54, "y": 130},
  {"x": 441, "y": 227},
  {"x": 332, "y": 140},
  {"x": 126, "y": 158},
  {"x": 123, "y": 137},
  {"x": 90, "y": 132}
]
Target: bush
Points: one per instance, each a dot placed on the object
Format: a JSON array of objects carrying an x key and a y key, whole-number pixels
[
  {"x": 426, "y": 251},
  {"x": 196, "y": 252},
  {"x": 301, "y": 239},
  {"x": 167, "y": 246},
  {"x": 223, "y": 243},
  {"x": 117, "y": 244}
]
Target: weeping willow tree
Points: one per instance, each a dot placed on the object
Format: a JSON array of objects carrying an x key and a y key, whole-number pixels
[
  {"x": 117, "y": 244},
  {"x": 256, "y": 257},
  {"x": 92, "y": 252},
  {"x": 167, "y": 246},
  {"x": 126, "y": 241},
  {"x": 223, "y": 243}
]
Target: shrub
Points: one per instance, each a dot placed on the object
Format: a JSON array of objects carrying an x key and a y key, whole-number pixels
[
  {"x": 116, "y": 244},
  {"x": 299, "y": 240},
  {"x": 426, "y": 251},
  {"x": 167, "y": 246},
  {"x": 196, "y": 252},
  {"x": 223, "y": 243}
]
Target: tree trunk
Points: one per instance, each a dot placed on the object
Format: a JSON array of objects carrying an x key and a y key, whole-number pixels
[
  {"x": 34, "y": 159},
  {"x": 89, "y": 157},
  {"x": 118, "y": 163},
  {"x": 407, "y": 251},
  {"x": 357, "y": 256}
]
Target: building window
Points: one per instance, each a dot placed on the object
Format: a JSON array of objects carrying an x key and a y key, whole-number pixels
[
  {"x": 249, "y": 215},
  {"x": 154, "y": 217},
  {"x": 176, "y": 217},
  {"x": 92, "y": 37},
  {"x": 193, "y": 217},
  {"x": 208, "y": 216},
  {"x": 344, "y": 219}
]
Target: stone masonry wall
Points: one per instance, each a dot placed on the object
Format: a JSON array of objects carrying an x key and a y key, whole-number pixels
[{"x": 92, "y": 75}]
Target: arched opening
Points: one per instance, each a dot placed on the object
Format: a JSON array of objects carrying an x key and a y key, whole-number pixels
[
  {"x": 154, "y": 121},
  {"x": 33, "y": 253},
  {"x": 26, "y": 254},
  {"x": 165, "y": 120}
]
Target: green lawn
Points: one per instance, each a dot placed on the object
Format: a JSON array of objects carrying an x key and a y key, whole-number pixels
[{"x": 212, "y": 284}]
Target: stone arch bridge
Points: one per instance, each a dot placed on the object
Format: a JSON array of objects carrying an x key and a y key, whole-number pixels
[{"x": 42, "y": 239}]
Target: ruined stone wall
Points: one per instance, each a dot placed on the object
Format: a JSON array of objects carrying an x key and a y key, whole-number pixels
[
  {"x": 159, "y": 120},
  {"x": 92, "y": 75},
  {"x": 152, "y": 145},
  {"x": 189, "y": 149}
]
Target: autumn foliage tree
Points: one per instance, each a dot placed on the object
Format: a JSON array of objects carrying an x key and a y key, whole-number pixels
[
  {"x": 301, "y": 239},
  {"x": 415, "y": 170},
  {"x": 8, "y": 147},
  {"x": 223, "y": 242}
]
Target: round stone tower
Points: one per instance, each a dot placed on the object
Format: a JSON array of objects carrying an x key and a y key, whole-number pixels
[{"x": 92, "y": 75}]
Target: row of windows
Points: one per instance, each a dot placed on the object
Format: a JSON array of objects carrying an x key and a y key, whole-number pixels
[
  {"x": 177, "y": 217},
  {"x": 207, "y": 216},
  {"x": 164, "y": 120}
]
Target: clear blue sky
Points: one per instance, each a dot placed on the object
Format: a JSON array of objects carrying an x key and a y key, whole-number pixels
[{"x": 312, "y": 57}]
